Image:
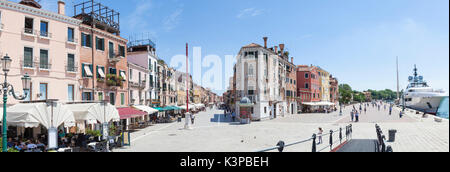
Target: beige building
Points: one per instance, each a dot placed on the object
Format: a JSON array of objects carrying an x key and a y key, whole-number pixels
[{"x": 324, "y": 78}]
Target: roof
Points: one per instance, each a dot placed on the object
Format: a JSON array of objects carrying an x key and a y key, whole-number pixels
[
  {"x": 252, "y": 45},
  {"x": 126, "y": 113}
]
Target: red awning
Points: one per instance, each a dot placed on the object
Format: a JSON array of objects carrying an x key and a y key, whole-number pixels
[{"x": 126, "y": 113}]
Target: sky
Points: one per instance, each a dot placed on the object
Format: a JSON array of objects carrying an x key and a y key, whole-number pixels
[{"x": 357, "y": 41}]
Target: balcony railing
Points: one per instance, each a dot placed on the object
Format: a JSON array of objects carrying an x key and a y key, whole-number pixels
[
  {"x": 72, "y": 40},
  {"x": 71, "y": 68},
  {"x": 45, "y": 34},
  {"x": 28, "y": 63},
  {"x": 28, "y": 31},
  {"x": 45, "y": 66},
  {"x": 114, "y": 57}
]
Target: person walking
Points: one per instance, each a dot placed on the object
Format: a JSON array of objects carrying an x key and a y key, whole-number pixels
[
  {"x": 352, "y": 114},
  {"x": 357, "y": 116},
  {"x": 401, "y": 114},
  {"x": 320, "y": 135},
  {"x": 390, "y": 110},
  {"x": 365, "y": 110}
]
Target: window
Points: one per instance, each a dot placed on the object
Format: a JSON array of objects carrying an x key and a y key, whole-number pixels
[
  {"x": 43, "y": 91},
  {"x": 43, "y": 63},
  {"x": 112, "y": 71},
  {"x": 87, "y": 96},
  {"x": 28, "y": 57},
  {"x": 100, "y": 72},
  {"x": 122, "y": 99},
  {"x": 100, "y": 95},
  {"x": 306, "y": 85},
  {"x": 112, "y": 98},
  {"x": 122, "y": 51},
  {"x": 100, "y": 43},
  {"x": 131, "y": 74},
  {"x": 111, "y": 50},
  {"x": 70, "y": 92},
  {"x": 29, "y": 25},
  {"x": 44, "y": 29},
  {"x": 70, "y": 35},
  {"x": 250, "y": 70},
  {"x": 306, "y": 75},
  {"x": 71, "y": 62},
  {"x": 86, "y": 70},
  {"x": 251, "y": 92},
  {"x": 86, "y": 40}
]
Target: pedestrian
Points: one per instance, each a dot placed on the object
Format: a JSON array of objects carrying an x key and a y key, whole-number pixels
[
  {"x": 390, "y": 110},
  {"x": 320, "y": 135},
  {"x": 352, "y": 114},
  {"x": 365, "y": 110},
  {"x": 401, "y": 114},
  {"x": 192, "y": 118},
  {"x": 357, "y": 116}
]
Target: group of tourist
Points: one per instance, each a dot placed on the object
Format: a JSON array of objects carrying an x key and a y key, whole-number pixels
[{"x": 26, "y": 146}]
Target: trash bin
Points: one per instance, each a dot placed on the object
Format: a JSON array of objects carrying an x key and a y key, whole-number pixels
[{"x": 392, "y": 135}]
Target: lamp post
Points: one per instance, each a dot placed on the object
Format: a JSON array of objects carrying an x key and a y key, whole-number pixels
[
  {"x": 6, "y": 87},
  {"x": 340, "y": 104}
]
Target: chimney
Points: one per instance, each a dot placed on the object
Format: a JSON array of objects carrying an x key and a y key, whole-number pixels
[
  {"x": 265, "y": 42},
  {"x": 61, "y": 8},
  {"x": 292, "y": 60},
  {"x": 282, "y": 49},
  {"x": 276, "y": 50}
]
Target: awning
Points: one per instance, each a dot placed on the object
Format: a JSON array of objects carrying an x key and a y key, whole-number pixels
[
  {"x": 127, "y": 113},
  {"x": 101, "y": 72},
  {"x": 94, "y": 111},
  {"x": 191, "y": 107},
  {"x": 30, "y": 115},
  {"x": 88, "y": 71},
  {"x": 318, "y": 103},
  {"x": 123, "y": 75},
  {"x": 147, "y": 109}
]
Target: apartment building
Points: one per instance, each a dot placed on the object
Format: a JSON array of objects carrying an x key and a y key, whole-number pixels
[
  {"x": 103, "y": 56},
  {"x": 44, "y": 45}
]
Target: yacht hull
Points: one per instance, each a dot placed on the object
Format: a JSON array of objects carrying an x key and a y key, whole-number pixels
[{"x": 425, "y": 104}]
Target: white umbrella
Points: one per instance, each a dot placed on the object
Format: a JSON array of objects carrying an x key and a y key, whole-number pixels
[
  {"x": 91, "y": 111},
  {"x": 30, "y": 115}
]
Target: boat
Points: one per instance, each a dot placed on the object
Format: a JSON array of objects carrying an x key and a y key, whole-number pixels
[{"x": 420, "y": 96}]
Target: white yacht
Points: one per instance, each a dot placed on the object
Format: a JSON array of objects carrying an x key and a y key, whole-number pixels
[{"x": 420, "y": 96}]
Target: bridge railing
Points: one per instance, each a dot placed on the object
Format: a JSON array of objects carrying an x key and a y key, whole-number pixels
[
  {"x": 281, "y": 145},
  {"x": 381, "y": 141}
]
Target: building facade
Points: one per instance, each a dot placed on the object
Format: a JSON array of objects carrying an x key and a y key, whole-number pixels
[
  {"x": 308, "y": 85},
  {"x": 43, "y": 45},
  {"x": 324, "y": 78}
]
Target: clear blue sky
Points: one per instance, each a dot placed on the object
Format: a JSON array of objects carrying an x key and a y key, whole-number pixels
[{"x": 355, "y": 40}]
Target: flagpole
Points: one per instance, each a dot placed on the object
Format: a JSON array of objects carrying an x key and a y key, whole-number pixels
[{"x": 187, "y": 115}]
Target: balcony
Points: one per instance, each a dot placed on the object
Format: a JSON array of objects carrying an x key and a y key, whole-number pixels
[
  {"x": 73, "y": 41},
  {"x": 114, "y": 57},
  {"x": 28, "y": 64},
  {"x": 45, "y": 35},
  {"x": 71, "y": 68},
  {"x": 45, "y": 66},
  {"x": 29, "y": 32}
]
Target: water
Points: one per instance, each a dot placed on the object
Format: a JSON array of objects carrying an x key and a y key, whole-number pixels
[{"x": 443, "y": 108}]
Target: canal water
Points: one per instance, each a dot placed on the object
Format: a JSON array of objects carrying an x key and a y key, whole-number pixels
[{"x": 443, "y": 108}]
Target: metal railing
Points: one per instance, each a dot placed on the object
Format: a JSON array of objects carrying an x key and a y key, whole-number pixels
[
  {"x": 281, "y": 145},
  {"x": 381, "y": 141}
]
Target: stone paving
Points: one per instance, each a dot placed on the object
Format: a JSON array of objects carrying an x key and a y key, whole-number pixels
[{"x": 212, "y": 132}]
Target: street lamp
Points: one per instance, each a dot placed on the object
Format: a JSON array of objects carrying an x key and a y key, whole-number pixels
[
  {"x": 340, "y": 104},
  {"x": 6, "y": 87}
]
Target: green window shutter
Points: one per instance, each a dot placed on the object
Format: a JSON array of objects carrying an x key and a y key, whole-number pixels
[{"x": 83, "y": 74}]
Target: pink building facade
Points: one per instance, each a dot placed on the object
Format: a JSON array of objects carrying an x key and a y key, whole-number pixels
[{"x": 43, "y": 44}]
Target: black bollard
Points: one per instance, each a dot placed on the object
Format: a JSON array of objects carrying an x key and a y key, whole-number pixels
[
  {"x": 280, "y": 146},
  {"x": 314, "y": 143},
  {"x": 340, "y": 135},
  {"x": 331, "y": 139}
]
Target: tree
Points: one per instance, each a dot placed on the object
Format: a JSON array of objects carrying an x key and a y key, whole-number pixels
[{"x": 345, "y": 92}]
